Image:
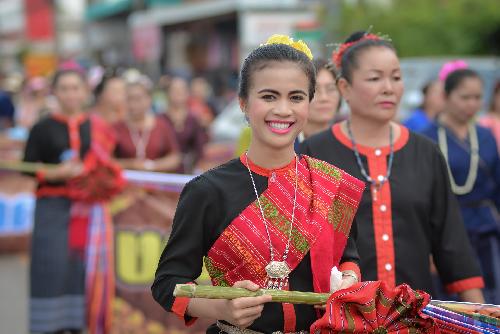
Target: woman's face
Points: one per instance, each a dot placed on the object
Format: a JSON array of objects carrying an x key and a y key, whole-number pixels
[
  {"x": 178, "y": 93},
  {"x": 496, "y": 100},
  {"x": 376, "y": 85},
  {"x": 138, "y": 101},
  {"x": 115, "y": 93},
  {"x": 434, "y": 100},
  {"x": 71, "y": 93},
  {"x": 277, "y": 105},
  {"x": 326, "y": 99},
  {"x": 464, "y": 102}
]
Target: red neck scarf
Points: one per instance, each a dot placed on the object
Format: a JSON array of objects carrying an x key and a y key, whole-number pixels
[{"x": 327, "y": 199}]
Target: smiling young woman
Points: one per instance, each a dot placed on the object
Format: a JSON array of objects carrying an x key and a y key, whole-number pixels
[
  {"x": 408, "y": 211},
  {"x": 263, "y": 220}
]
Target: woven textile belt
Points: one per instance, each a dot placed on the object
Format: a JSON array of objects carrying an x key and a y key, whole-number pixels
[{"x": 235, "y": 330}]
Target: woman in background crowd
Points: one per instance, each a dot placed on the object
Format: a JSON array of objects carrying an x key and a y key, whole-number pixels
[
  {"x": 474, "y": 170},
  {"x": 110, "y": 97},
  {"x": 199, "y": 102},
  {"x": 326, "y": 102},
  {"x": 145, "y": 141},
  {"x": 433, "y": 102},
  {"x": 190, "y": 135},
  {"x": 65, "y": 296},
  {"x": 492, "y": 119}
]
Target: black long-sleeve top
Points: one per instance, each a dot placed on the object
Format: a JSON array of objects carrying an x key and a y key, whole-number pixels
[
  {"x": 415, "y": 216},
  {"x": 49, "y": 142}
]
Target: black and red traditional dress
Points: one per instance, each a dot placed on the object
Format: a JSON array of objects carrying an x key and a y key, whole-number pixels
[
  {"x": 71, "y": 276},
  {"x": 218, "y": 221},
  {"x": 413, "y": 216}
]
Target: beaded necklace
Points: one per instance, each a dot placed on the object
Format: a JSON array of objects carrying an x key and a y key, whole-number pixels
[
  {"x": 376, "y": 185},
  {"x": 474, "y": 160}
]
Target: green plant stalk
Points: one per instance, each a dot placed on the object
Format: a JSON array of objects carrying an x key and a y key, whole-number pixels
[
  {"x": 218, "y": 292},
  {"x": 24, "y": 167}
]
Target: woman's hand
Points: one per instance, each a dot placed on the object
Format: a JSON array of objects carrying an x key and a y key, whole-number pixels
[
  {"x": 347, "y": 281},
  {"x": 242, "y": 312},
  {"x": 65, "y": 171}
]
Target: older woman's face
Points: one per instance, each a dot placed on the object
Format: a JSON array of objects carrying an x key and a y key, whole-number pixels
[
  {"x": 376, "y": 87},
  {"x": 138, "y": 101}
]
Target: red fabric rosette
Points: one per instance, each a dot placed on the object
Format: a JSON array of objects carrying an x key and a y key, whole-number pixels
[
  {"x": 101, "y": 179},
  {"x": 373, "y": 307}
]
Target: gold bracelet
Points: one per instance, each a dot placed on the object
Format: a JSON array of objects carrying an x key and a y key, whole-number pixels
[{"x": 350, "y": 273}]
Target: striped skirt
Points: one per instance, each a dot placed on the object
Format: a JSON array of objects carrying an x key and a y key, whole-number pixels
[{"x": 57, "y": 277}]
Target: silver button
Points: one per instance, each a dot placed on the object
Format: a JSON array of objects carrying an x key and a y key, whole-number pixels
[
  {"x": 378, "y": 152},
  {"x": 380, "y": 178},
  {"x": 385, "y": 237},
  {"x": 388, "y": 267},
  {"x": 383, "y": 208}
]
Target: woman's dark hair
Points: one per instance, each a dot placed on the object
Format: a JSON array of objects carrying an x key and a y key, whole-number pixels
[
  {"x": 60, "y": 73},
  {"x": 320, "y": 63},
  {"x": 455, "y": 79},
  {"x": 425, "y": 90},
  {"x": 260, "y": 58},
  {"x": 496, "y": 90},
  {"x": 349, "y": 60},
  {"x": 109, "y": 74}
]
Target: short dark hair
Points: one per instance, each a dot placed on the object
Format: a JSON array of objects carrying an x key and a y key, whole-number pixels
[
  {"x": 109, "y": 74},
  {"x": 349, "y": 59},
  {"x": 60, "y": 73},
  {"x": 455, "y": 79},
  {"x": 493, "y": 99},
  {"x": 261, "y": 56},
  {"x": 320, "y": 64}
]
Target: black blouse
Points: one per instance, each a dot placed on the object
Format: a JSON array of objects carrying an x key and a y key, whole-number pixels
[
  {"x": 208, "y": 204},
  {"x": 48, "y": 141}
]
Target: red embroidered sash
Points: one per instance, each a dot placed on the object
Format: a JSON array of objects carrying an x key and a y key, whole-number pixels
[{"x": 327, "y": 199}]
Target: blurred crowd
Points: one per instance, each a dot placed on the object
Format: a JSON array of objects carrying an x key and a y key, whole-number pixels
[
  {"x": 183, "y": 114},
  {"x": 161, "y": 126}
]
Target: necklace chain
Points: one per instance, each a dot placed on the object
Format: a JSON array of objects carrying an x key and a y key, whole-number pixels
[
  {"x": 376, "y": 185},
  {"x": 474, "y": 160},
  {"x": 140, "y": 140},
  {"x": 271, "y": 248}
]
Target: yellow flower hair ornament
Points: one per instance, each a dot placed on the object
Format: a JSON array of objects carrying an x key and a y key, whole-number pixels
[{"x": 283, "y": 39}]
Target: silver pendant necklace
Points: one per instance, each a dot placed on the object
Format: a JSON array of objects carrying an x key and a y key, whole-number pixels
[{"x": 277, "y": 271}]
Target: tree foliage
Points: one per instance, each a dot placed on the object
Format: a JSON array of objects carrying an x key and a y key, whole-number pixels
[{"x": 426, "y": 27}]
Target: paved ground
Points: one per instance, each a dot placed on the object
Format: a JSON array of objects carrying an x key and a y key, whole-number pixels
[{"x": 13, "y": 294}]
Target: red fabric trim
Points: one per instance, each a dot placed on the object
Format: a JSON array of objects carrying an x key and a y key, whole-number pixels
[
  {"x": 40, "y": 176},
  {"x": 290, "y": 320},
  {"x": 264, "y": 171},
  {"x": 179, "y": 308},
  {"x": 80, "y": 118},
  {"x": 351, "y": 266},
  {"x": 367, "y": 150},
  {"x": 382, "y": 222},
  {"x": 48, "y": 191},
  {"x": 381, "y": 202},
  {"x": 73, "y": 123},
  {"x": 465, "y": 284}
]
